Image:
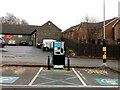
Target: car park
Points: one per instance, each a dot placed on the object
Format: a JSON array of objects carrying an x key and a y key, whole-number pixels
[
  {"x": 12, "y": 42},
  {"x": 2, "y": 42},
  {"x": 23, "y": 43},
  {"x": 30, "y": 43},
  {"x": 39, "y": 45},
  {"x": 48, "y": 44},
  {"x": 26, "y": 43}
]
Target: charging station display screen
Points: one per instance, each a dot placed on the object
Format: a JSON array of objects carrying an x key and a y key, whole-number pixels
[{"x": 57, "y": 45}]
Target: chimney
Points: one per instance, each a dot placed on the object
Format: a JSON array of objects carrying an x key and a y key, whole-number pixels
[{"x": 119, "y": 9}]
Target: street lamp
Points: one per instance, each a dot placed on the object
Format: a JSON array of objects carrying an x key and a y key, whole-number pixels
[{"x": 104, "y": 39}]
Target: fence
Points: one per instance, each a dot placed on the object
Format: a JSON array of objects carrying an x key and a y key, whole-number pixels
[{"x": 93, "y": 49}]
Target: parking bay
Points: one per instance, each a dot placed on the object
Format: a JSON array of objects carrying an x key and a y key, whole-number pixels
[{"x": 18, "y": 75}]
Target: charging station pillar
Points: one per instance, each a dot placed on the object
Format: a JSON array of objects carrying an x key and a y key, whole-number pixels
[{"x": 59, "y": 54}]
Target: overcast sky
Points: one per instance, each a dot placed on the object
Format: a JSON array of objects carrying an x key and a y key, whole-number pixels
[{"x": 63, "y": 13}]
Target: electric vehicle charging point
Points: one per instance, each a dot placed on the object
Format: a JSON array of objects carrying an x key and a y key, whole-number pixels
[{"x": 59, "y": 55}]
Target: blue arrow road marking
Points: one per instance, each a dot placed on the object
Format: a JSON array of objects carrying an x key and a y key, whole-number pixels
[
  {"x": 108, "y": 81},
  {"x": 8, "y": 79}
]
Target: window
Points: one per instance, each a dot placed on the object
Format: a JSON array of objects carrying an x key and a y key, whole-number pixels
[{"x": 19, "y": 36}]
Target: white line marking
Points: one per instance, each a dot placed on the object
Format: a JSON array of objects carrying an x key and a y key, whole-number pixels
[
  {"x": 82, "y": 75},
  {"x": 79, "y": 77},
  {"x": 35, "y": 76},
  {"x": 47, "y": 86}
]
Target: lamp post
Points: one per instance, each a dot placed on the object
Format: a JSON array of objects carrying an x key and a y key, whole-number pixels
[
  {"x": 119, "y": 9},
  {"x": 104, "y": 39}
]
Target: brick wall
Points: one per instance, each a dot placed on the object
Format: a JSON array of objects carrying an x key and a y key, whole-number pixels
[{"x": 48, "y": 30}]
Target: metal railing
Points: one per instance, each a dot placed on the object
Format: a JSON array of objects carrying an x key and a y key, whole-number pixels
[{"x": 92, "y": 49}]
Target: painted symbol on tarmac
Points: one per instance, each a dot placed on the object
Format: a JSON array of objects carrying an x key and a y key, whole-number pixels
[
  {"x": 110, "y": 81},
  {"x": 8, "y": 79},
  {"x": 105, "y": 81}
]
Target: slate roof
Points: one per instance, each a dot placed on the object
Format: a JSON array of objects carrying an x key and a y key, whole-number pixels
[
  {"x": 18, "y": 29},
  {"x": 90, "y": 26},
  {"x": 71, "y": 28},
  {"x": 46, "y": 25},
  {"x": 23, "y": 29}
]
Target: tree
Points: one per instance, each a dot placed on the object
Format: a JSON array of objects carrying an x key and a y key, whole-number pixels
[
  {"x": 24, "y": 22},
  {"x": 90, "y": 26},
  {"x": 89, "y": 19},
  {"x": 11, "y": 19}
]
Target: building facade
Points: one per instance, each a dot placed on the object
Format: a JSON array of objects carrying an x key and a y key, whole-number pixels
[
  {"x": 93, "y": 32},
  {"x": 29, "y": 32}
]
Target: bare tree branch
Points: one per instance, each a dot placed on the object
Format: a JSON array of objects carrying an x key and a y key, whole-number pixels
[
  {"x": 89, "y": 19},
  {"x": 23, "y": 21},
  {"x": 11, "y": 19}
]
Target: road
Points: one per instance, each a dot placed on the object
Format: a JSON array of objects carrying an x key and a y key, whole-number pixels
[{"x": 26, "y": 54}]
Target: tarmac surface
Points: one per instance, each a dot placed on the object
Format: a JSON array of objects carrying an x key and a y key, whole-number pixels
[
  {"x": 27, "y": 66},
  {"x": 41, "y": 76},
  {"x": 26, "y": 55}
]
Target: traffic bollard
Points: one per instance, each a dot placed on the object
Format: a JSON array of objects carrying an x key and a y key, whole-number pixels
[
  {"x": 68, "y": 64},
  {"x": 48, "y": 62}
]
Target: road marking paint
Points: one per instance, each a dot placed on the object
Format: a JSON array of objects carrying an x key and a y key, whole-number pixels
[
  {"x": 55, "y": 80},
  {"x": 35, "y": 76},
  {"x": 79, "y": 77},
  {"x": 82, "y": 76},
  {"x": 108, "y": 81},
  {"x": 47, "y": 86},
  {"x": 8, "y": 79}
]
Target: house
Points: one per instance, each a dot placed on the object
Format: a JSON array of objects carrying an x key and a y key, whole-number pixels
[
  {"x": 17, "y": 32},
  {"x": 69, "y": 33},
  {"x": 30, "y": 32},
  {"x": 116, "y": 30},
  {"x": 48, "y": 31},
  {"x": 93, "y": 32},
  {"x": 112, "y": 32}
]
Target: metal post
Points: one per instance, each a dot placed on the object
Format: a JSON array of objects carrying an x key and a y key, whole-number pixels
[
  {"x": 48, "y": 62},
  {"x": 104, "y": 40},
  {"x": 68, "y": 64},
  {"x": 104, "y": 19}
]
